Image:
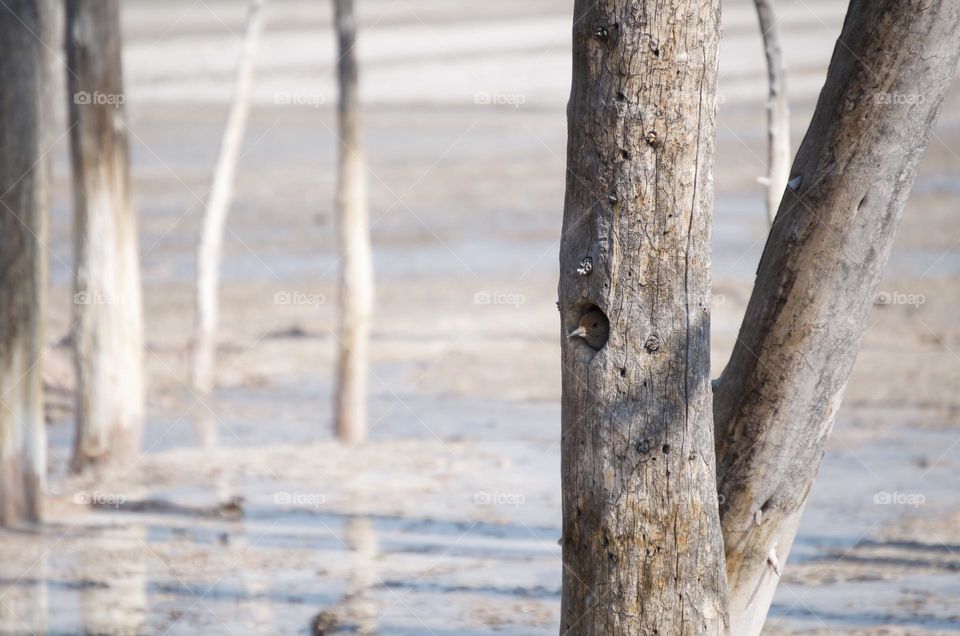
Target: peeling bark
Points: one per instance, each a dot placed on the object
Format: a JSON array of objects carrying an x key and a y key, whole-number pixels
[
  {"x": 778, "y": 108},
  {"x": 776, "y": 400},
  {"x": 203, "y": 368},
  {"x": 109, "y": 329},
  {"x": 356, "y": 264},
  {"x": 23, "y": 210},
  {"x": 642, "y": 551}
]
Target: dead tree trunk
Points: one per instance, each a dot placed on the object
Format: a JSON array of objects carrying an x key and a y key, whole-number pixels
[
  {"x": 778, "y": 108},
  {"x": 777, "y": 398},
  {"x": 109, "y": 330},
  {"x": 356, "y": 266},
  {"x": 203, "y": 370},
  {"x": 642, "y": 551},
  {"x": 23, "y": 201}
]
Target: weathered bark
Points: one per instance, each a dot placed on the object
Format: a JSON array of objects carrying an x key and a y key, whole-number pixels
[
  {"x": 203, "y": 368},
  {"x": 109, "y": 330},
  {"x": 642, "y": 550},
  {"x": 776, "y": 400},
  {"x": 356, "y": 266},
  {"x": 778, "y": 109},
  {"x": 23, "y": 201}
]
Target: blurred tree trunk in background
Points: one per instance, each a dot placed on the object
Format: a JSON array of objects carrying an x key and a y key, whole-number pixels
[
  {"x": 776, "y": 401},
  {"x": 203, "y": 368},
  {"x": 23, "y": 202},
  {"x": 778, "y": 108},
  {"x": 109, "y": 329},
  {"x": 642, "y": 550},
  {"x": 356, "y": 266},
  {"x": 53, "y": 85}
]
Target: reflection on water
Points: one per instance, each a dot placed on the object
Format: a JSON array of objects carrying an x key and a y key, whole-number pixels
[
  {"x": 358, "y": 604},
  {"x": 116, "y": 600},
  {"x": 206, "y": 428},
  {"x": 23, "y": 596}
]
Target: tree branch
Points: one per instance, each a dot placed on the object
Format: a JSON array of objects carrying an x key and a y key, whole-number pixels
[
  {"x": 775, "y": 402},
  {"x": 778, "y": 109}
]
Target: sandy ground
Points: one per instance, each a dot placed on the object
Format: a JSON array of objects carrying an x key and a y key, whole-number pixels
[{"x": 245, "y": 517}]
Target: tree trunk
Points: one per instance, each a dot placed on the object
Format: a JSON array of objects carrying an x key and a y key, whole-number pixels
[
  {"x": 109, "y": 330},
  {"x": 777, "y": 398},
  {"x": 642, "y": 551},
  {"x": 356, "y": 268},
  {"x": 23, "y": 201},
  {"x": 778, "y": 109},
  {"x": 203, "y": 371}
]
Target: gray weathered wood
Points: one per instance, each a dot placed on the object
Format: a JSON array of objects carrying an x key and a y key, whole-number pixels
[
  {"x": 353, "y": 231},
  {"x": 23, "y": 201},
  {"x": 109, "y": 330},
  {"x": 776, "y": 401},
  {"x": 642, "y": 551}
]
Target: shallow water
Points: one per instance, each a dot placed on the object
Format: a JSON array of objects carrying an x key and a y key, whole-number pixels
[{"x": 244, "y": 516}]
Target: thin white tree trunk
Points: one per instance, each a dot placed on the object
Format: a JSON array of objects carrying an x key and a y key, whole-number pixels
[
  {"x": 206, "y": 319},
  {"x": 778, "y": 108},
  {"x": 356, "y": 268},
  {"x": 23, "y": 202},
  {"x": 109, "y": 331},
  {"x": 776, "y": 401}
]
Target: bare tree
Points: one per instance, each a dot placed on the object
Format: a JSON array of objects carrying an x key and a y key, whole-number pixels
[
  {"x": 356, "y": 268},
  {"x": 23, "y": 203},
  {"x": 641, "y": 546},
  {"x": 778, "y": 108},
  {"x": 639, "y": 491},
  {"x": 776, "y": 400},
  {"x": 203, "y": 371},
  {"x": 109, "y": 330}
]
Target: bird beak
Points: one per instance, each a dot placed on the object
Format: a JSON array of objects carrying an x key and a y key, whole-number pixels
[{"x": 579, "y": 332}]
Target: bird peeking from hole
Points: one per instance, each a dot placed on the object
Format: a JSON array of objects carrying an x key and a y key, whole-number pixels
[{"x": 594, "y": 328}]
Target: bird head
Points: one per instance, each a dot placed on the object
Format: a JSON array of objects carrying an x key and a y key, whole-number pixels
[{"x": 594, "y": 328}]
